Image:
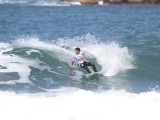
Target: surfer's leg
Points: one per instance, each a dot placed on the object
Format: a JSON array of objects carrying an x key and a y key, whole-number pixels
[
  {"x": 85, "y": 67},
  {"x": 90, "y": 64}
]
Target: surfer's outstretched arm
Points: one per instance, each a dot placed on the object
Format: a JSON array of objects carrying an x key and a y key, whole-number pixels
[
  {"x": 83, "y": 54},
  {"x": 72, "y": 63}
]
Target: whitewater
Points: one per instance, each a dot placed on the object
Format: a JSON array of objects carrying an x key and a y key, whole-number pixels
[{"x": 81, "y": 105}]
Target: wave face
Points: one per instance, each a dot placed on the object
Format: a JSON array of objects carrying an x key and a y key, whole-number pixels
[{"x": 30, "y": 62}]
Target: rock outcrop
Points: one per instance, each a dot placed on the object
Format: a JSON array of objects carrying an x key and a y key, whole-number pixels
[
  {"x": 88, "y": 1},
  {"x": 132, "y": 1},
  {"x": 83, "y": 1},
  {"x": 116, "y": 1}
]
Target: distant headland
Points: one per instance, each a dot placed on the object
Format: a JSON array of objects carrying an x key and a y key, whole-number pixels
[{"x": 101, "y": 2}]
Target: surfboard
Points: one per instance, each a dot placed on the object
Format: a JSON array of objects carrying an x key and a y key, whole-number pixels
[{"x": 94, "y": 74}]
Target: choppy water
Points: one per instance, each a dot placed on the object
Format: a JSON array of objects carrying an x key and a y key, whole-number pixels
[{"x": 36, "y": 47}]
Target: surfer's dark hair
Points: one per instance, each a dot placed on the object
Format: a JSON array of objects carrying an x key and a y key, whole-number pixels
[{"x": 78, "y": 49}]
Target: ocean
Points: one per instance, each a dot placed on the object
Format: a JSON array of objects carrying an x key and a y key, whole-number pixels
[{"x": 37, "y": 42}]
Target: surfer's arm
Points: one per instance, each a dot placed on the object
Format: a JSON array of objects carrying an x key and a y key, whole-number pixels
[
  {"x": 72, "y": 63},
  {"x": 83, "y": 54}
]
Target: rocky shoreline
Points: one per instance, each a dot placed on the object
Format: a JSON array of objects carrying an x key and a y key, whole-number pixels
[
  {"x": 114, "y": 1},
  {"x": 133, "y": 1}
]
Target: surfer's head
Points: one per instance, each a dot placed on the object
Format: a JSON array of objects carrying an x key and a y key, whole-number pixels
[{"x": 77, "y": 50}]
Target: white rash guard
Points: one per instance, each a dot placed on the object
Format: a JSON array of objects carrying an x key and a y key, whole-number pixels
[{"x": 78, "y": 58}]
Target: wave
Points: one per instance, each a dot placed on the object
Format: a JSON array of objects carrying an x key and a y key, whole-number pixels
[
  {"x": 14, "y": 1},
  {"x": 112, "y": 58},
  {"x": 45, "y": 64},
  {"x": 38, "y": 2},
  {"x": 45, "y": 3},
  {"x": 81, "y": 105}
]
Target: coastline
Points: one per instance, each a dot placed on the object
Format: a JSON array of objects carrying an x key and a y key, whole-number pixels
[{"x": 101, "y": 2}]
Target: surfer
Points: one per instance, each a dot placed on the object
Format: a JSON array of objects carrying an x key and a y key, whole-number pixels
[{"x": 79, "y": 58}]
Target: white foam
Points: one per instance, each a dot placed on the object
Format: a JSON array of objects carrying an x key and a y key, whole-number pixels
[
  {"x": 13, "y": 1},
  {"x": 14, "y": 63},
  {"x": 61, "y": 53},
  {"x": 29, "y": 52},
  {"x": 48, "y": 3},
  {"x": 113, "y": 58},
  {"x": 45, "y": 3},
  {"x": 55, "y": 3},
  {"x": 3, "y": 45},
  {"x": 81, "y": 105}
]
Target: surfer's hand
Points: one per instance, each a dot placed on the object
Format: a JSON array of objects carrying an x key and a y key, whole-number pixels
[
  {"x": 70, "y": 66},
  {"x": 83, "y": 54}
]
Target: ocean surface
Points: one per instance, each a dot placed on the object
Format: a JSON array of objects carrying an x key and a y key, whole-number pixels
[{"x": 37, "y": 41}]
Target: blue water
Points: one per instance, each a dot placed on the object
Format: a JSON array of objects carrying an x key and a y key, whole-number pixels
[
  {"x": 135, "y": 28},
  {"x": 37, "y": 41},
  {"x": 105, "y": 22}
]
